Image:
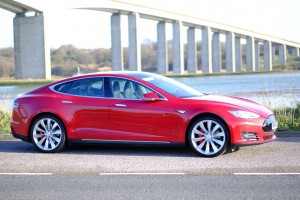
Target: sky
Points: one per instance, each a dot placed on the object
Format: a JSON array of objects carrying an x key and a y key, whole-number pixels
[{"x": 91, "y": 29}]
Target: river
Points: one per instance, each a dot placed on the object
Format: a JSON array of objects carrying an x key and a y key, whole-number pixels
[{"x": 271, "y": 89}]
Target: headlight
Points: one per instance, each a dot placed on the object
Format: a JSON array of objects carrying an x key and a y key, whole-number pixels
[
  {"x": 270, "y": 124},
  {"x": 244, "y": 114}
]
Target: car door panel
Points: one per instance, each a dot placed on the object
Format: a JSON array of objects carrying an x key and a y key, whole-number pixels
[
  {"x": 88, "y": 117},
  {"x": 139, "y": 120}
]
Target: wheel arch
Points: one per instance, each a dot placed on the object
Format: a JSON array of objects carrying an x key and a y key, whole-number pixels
[
  {"x": 46, "y": 113},
  {"x": 201, "y": 115}
]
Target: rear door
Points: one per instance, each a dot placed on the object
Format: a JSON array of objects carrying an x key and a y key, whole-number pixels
[{"x": 86, "y": 108}]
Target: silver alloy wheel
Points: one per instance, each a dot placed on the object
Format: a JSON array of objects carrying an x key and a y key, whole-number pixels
[
  {"x": 47, "y": 134},
  {"x": 208, "y": 137}
]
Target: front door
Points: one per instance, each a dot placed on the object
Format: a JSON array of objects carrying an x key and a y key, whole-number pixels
[{"x": 132, "y": 118}]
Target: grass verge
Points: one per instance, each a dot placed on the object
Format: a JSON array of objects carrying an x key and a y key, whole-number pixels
[
  {"x": 288, "y": 118},
  {"x": 24, "y": 82},
  {"x": 5, "y": 118},
  {"x": 12, "y": 82}
]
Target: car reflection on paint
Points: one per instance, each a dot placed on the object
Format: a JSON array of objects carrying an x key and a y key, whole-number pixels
[{"x": 137, "y": 107}]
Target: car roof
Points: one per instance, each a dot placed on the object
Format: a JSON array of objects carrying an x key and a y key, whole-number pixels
[
  {"x": 125, "y": 73},
  {"x": 133, "y": 74},
  {"x": 128, "y": 73}
]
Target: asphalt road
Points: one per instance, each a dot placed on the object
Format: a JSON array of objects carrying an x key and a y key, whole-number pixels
[
  {"x": 149, "y": 187},
  {"x": 268, "y": 171}
]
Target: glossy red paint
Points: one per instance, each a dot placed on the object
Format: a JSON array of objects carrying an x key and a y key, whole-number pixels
[{"x": 164, "y": 118}]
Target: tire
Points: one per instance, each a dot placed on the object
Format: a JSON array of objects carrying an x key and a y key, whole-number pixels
[
  {"x": 208, "y": 136},
  {"x": 48, "y": 134}
]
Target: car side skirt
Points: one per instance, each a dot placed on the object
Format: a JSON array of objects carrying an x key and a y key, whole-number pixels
[{"x": 124, "y": 142}]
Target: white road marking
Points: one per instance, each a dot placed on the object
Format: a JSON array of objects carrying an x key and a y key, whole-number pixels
[
  {"x": 27, "y": 174},
  {"x": 265, "y": 174},
  {"x": 142, "y": 173}
]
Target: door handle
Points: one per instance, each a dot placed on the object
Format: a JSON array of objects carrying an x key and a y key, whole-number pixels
[
  {"x": 120, "y": 105},
  {"x": 67, "y": 102}
]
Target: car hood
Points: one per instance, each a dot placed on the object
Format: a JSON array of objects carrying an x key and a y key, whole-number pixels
[{"x": 235, "y": 103}]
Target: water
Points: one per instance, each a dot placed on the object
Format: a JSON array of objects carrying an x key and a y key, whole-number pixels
[
  {"x": 9, "y": 93},
  {"x": 272, "y": 90}
]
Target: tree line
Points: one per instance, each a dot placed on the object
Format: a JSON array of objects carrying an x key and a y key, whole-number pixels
[{"x": 66, "y": 59}]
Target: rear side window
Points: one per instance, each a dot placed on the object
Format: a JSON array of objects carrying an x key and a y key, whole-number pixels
[
  {"x": 91, "y": 87},
  {"x": 63, "y": 88}
]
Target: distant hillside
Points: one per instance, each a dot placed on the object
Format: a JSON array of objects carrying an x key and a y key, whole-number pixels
[{"x": 67, "y": 59}]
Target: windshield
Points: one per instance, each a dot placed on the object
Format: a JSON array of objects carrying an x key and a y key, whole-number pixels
[{"x": 170, "y": 86}]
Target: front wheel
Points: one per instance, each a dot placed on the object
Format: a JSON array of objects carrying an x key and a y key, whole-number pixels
[
  {"x": 208, "y": 136},
  {"x": 48, "y": 134}
]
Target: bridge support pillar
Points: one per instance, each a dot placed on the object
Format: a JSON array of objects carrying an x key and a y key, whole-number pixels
[
  {"x": 216, "y": 53},
  {"x": 282, "y": 54},
  {"x": 116, "y": 44},
  {"x": 178, "y": 56},
  {"x": 32, "y": 53},
  {"x": 250, "y": 56},
  {"x": 162, "y": 50},
  {"x": 273, "y": 54},
  {"x": 257, "y": 57},
  {"x": 238, "y": 54},
  {"x": 134, "y": 48},
  {"x": 295, "y": 51},
  {"x": 268, "y": 55},
  {"x": 206, "y": 51},
  {"x": 230, "y": 52},
  {"x": 191, "y": 51}
]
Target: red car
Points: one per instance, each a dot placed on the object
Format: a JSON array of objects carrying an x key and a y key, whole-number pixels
[{"x": 137, "y": 107}]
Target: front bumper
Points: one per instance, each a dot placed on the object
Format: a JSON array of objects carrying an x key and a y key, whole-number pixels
[
  {"x": 253, "y": 131},
  {"x": 250, "y": 143}
]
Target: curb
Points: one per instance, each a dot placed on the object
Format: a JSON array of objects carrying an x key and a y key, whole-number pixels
[
  {"x": 288, "y": 134},
  {"x": 7, "y": 137},
  {"x": 280, "y": 134}
]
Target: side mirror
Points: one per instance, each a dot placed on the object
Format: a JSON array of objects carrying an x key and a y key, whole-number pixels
[{"x": 151, "y": 96}]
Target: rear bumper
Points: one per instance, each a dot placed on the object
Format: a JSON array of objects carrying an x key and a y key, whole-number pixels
[{"x": 22, "y": 137}]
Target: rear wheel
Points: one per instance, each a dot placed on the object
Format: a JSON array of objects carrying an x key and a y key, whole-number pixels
[
  {"x": 208, "y": 136},
  {"x": 48, "y": 134}
]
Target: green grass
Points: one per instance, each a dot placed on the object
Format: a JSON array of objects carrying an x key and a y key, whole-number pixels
[
  {"x": 5, "y": 118},
  {"x": 10, "y": 82},
  {"x": 288, "y": 118}
]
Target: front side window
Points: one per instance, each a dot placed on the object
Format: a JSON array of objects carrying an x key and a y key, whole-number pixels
[{"x": 123, "y": 88}]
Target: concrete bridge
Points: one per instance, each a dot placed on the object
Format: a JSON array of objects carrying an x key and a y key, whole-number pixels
[{"x": 32, "y": 54}]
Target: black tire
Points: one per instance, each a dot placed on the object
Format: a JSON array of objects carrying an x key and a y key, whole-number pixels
[
  {"x": 208, "y": 136},
  {"x": 48, "y": 134}
]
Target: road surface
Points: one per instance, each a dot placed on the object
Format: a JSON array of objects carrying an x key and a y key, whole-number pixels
[{"x": 268, "y": 171}]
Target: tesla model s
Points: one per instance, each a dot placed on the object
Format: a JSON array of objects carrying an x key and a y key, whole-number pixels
[{"x": 137, "y": 107}]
